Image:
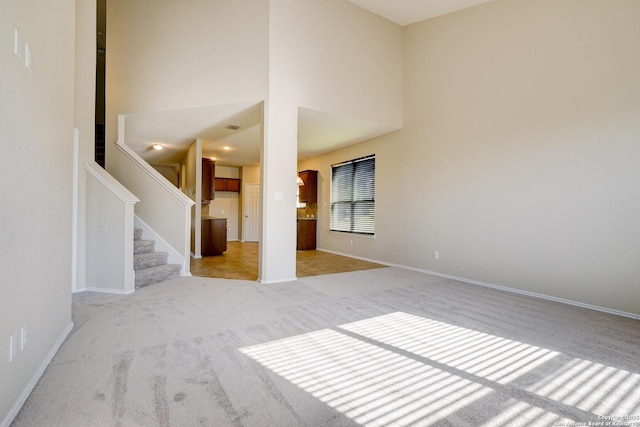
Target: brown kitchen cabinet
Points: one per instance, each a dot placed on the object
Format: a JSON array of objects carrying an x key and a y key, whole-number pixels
[
  {"x": 308, "y": 192},
  {"x": 214, "y": 236},
  {"x": 306, "y": 234},
  {"x": 208, "y": 176},
  {"x": 228, "y": 184}
]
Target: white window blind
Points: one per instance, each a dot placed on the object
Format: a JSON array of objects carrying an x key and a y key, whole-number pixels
[{"x": 353, "y": 186}]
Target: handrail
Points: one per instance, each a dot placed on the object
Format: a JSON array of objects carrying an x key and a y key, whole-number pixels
[
  {"x": 164, "y": 209},
  {"x": 111, "y": 183},
  {"x": 154, "y": 174}
]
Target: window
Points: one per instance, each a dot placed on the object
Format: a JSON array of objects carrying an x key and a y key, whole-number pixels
[
  {"x": 299, "y": 204},
  {"x": 353, "y": 186}
]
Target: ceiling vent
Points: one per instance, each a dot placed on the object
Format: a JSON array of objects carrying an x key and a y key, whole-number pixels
[{"x": 232, "y": 127}]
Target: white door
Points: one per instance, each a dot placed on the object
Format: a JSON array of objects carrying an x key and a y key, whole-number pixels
[{"x": 251, "y": 213}]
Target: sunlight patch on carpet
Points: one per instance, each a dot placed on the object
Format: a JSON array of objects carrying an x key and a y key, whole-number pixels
[
  {"x": 404, "y": 370},
  {"x": 371, "y": 385},
  {"x": 488, "y": 356},
  {"x": 593, "y": 387},
  {"x": 588, "y": 386}
]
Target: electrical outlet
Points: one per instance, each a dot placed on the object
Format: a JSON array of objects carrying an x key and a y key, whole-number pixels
[
  {"x": 23, "y": 337},
  {"x": 436, "y": 254},
  {"x": 350, "y": 242}
]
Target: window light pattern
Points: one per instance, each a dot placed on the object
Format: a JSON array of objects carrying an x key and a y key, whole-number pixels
[
  {"x": 371, "y": 385},
  {"x": 593, "y": 387},
  {"x": 405, "y": 370},
  {"x": 487, "y": 356},
  {"x": 589, "y": 386}
]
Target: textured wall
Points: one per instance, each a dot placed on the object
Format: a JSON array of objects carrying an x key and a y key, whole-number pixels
[
  {"x": 517, "y": 160},
  {"x": 36, "y": 131}
]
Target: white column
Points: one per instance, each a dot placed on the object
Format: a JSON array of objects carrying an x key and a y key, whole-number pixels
[{"x": 279, "y": 162}]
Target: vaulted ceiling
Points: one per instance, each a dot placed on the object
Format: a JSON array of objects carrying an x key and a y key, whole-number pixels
[
  {"x": 405, "y": 12},
  {"x": 318, "y": 132}
]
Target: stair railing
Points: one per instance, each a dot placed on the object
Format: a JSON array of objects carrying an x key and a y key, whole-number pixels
[{"x": 162, "y": 207}]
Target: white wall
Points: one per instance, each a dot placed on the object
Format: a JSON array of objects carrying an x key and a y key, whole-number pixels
[
  {"x": 193, "y": 174},
  {"x": 250, "y": 174},
  {"x": 342, "y": 59},
  {"x": 36, "y": 131},
  {"x": 166, "y": 54},
  {"x": 169, "y": 172},
  {"x": 227, "y": 171},
  {"x": 109, "y": 207},
  {"x": 518, "y": 158},
  {"x": 330, "y": 56},
  {"x": 84, "y": 119}
]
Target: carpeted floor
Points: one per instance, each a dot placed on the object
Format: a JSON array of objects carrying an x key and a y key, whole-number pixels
[
  {"x": 240, "y": 261},
  {"x": 381, "y": 347}
]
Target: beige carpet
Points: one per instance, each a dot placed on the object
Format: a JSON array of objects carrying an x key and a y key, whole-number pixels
[{"x": 382, "y": 347}]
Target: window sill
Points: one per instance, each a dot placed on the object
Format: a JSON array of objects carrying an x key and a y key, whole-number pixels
[{"x": 357, "y": 235}]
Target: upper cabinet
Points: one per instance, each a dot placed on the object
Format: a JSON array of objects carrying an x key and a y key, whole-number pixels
[
  {"x": 228, "y": 184},
  {"x": 309, "y": 191},
  {"x": 208, "y": 176}
]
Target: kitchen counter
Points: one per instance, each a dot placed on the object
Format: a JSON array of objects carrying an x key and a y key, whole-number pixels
[{"x": 214, "y": 235}]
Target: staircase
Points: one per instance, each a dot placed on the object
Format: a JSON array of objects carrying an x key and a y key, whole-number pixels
[{"x": 150, "y": 266}]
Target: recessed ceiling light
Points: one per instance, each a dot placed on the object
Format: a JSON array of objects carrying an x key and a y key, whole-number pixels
[
  {"x": 226, "y": 148},
  {"x": 157, "y": 147}
]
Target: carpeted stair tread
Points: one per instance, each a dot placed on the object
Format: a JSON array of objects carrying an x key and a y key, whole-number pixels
[
  {"x": 149, "y": 259},
  {"x": 151, "y": 275},
  {"x": 143, "y": 246},
  {"x": 150, "y": 266}
]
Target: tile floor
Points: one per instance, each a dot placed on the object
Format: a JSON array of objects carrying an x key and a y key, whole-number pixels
[{"x": 240, "y": 261}]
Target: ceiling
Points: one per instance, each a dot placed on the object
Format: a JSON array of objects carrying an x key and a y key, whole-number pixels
[
  {"x": 176, "y": 130},
  {"x": 318, "y": 132},
  {"x": 405, "y": 12}
]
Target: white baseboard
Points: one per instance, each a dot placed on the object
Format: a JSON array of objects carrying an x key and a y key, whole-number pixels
[
  {"x": 36, "y": 377},
  {"x": 388, "y": 264},
  {"x": 498, "y": 287},
  {"x": 107, "y": 291},
  {"x": 273, "y": 282}
]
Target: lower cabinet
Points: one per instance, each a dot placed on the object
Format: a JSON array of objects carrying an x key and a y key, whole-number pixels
[
  {"x": 306, "y": 234},
  {"x": 214, "y": 236}
]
